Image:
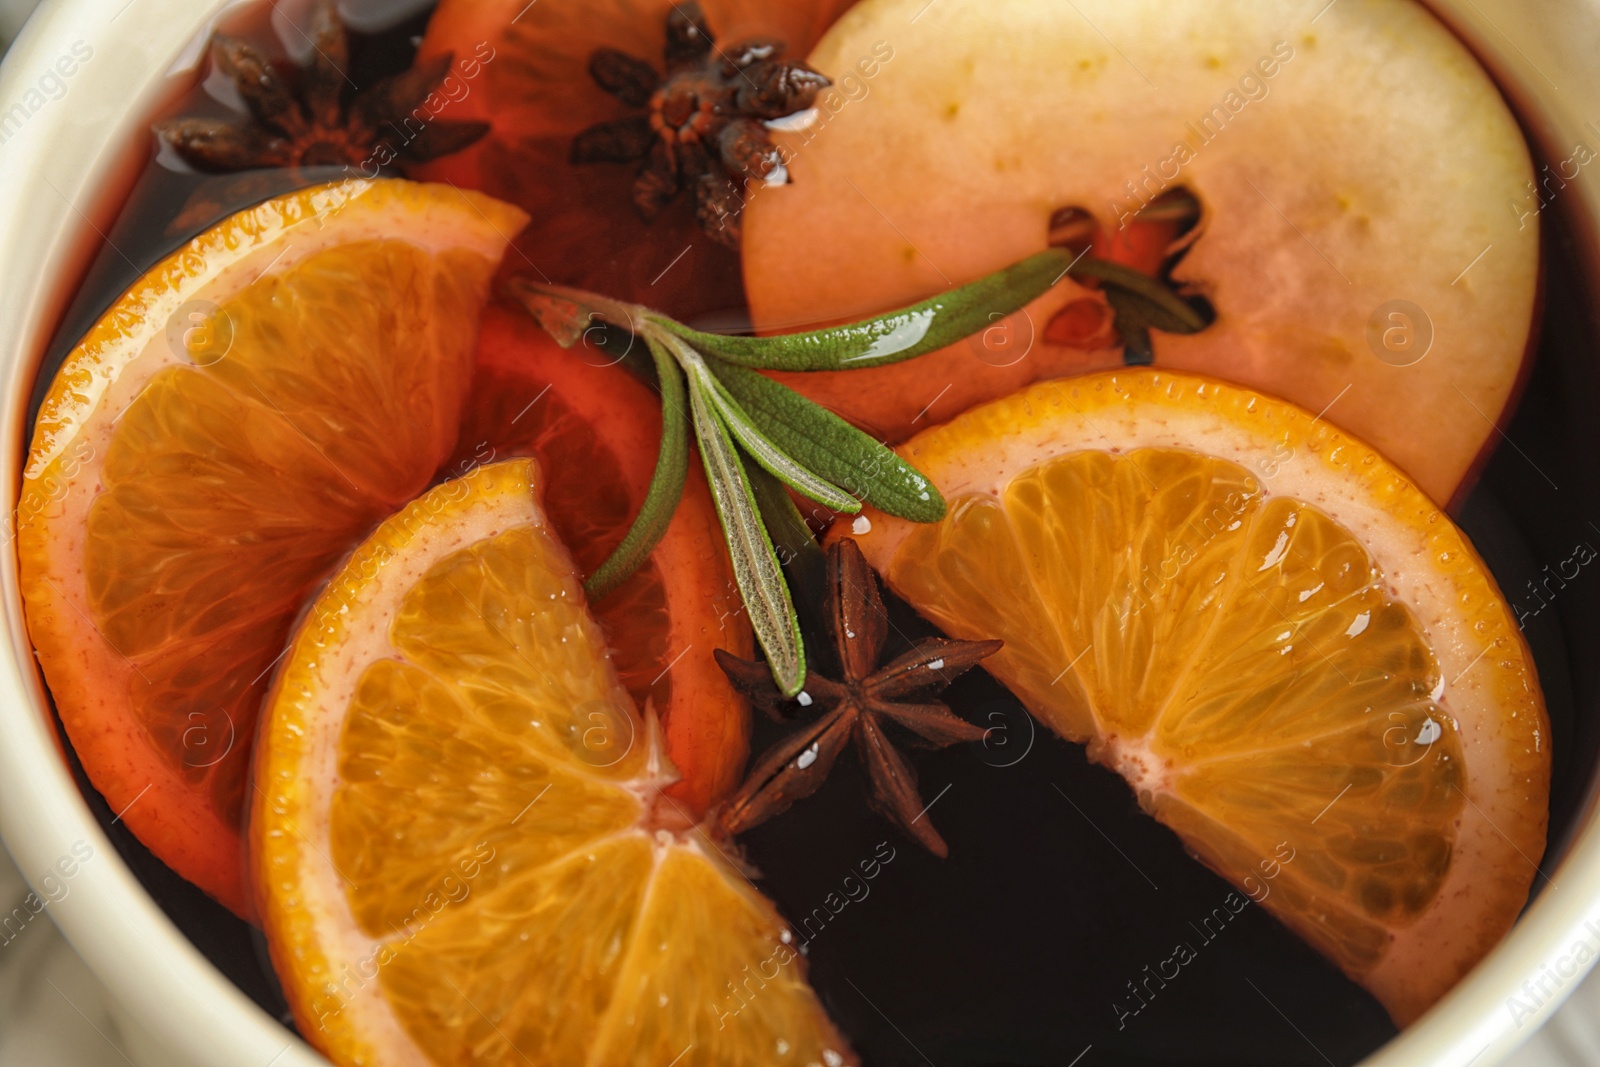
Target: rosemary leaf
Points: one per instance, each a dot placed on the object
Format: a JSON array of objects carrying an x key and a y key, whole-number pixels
[
  {"x": 899, "y": 335},
  {"x": 755, "y": 564},
  {"x": 775, "y": 462},
  {"x": 755, "y": 443},
  {"x": 791, "y": 536},
  {"x": 666, "y": 484},
  {"x": 1141, "y": 299},
  {"x": 823, "y": 442},
  {"x": 798, "y": 551}
]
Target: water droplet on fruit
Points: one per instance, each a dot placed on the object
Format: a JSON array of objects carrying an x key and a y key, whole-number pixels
[{"x": 800, "y": 120}]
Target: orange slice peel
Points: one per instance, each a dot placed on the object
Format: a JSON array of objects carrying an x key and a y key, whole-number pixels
[
  {"x": 463, "y": 848},
  {"x": 1271, "y": 633},
  {"x": 233, "y": 424}
]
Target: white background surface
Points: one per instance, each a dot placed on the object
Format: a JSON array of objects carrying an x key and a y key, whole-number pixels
[{"x": 53, "y": 1013}]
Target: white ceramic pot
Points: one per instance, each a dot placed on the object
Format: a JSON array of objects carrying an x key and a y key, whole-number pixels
[{"x": 65, "y": 159}]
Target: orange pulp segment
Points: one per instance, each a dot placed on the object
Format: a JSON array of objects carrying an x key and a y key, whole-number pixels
[{"x": 462, "y": 849}]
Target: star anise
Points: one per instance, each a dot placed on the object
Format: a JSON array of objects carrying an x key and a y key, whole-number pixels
[
  {"x": 314, "y": 116},
  {"x": 864, "y": 706},
  {"x": 706, "y": 123}
]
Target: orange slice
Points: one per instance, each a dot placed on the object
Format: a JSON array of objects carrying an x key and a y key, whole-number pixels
[
  {"x": 1297, "y": 661},
  {"x": 463, "y": 852},
  {"x": 596, "y": 431},
  {"x": 238, "y": 419}
]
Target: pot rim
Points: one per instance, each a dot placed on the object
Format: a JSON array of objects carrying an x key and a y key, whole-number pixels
[{"x": 66, "y": 162}]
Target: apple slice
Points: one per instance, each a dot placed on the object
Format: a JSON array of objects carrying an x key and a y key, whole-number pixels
[{"x": 1368, "y": 236}]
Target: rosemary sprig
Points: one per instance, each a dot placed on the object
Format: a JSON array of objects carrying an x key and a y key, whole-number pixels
[
  {"x": 755, "y": 562},
  {"x": 710, "y": 384},
  {"x": 924, "y": 327},
  {"x": 666, "y": 484}
]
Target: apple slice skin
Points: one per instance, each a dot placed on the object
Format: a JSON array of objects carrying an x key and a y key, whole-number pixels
[{"x": 1343, "y": 166}]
